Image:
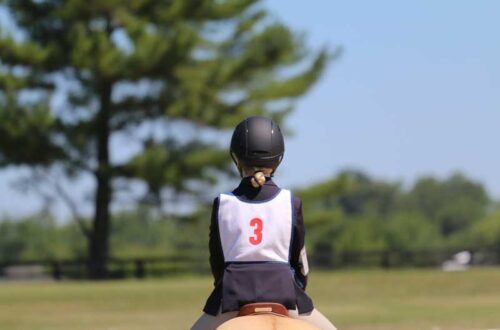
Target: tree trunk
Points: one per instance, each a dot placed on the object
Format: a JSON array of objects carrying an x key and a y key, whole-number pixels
[{"x": 99, "y": 239}]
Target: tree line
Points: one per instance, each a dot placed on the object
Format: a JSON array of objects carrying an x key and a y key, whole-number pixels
[
  {"x": 352, "y": 212},
  {"x": 158, "y": 78},
  {"x": 122, "y": 93}
]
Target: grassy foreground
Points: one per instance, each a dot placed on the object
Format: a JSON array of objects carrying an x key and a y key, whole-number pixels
[{"x": 408, "y": 299}]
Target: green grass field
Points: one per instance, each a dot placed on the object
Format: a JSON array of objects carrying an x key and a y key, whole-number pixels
[{"x": 407, "y": 299}]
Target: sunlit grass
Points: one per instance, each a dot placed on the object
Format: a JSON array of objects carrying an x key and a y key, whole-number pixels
[{"x": 409, "y": 299}]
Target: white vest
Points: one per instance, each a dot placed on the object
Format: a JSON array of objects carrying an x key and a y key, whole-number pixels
[{"x": 256, "y": 231}]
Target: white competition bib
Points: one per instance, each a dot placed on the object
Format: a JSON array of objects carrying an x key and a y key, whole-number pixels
[{"x": 256, "y": 231}]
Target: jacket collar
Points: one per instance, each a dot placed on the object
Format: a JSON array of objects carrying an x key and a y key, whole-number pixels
[
  {"x": 246, "y": 191},
  {"x": 246, "y": 183}
]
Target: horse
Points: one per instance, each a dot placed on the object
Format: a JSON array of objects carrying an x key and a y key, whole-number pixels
[{"x": 265, "y": 316}]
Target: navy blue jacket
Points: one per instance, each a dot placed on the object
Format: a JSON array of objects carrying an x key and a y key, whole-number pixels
[{"x": 241, "y": 283}]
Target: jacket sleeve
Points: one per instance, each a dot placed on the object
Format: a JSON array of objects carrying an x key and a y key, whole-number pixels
[
  {"x": 214, "y": 245},
  {"x": 298, "y": 254}
]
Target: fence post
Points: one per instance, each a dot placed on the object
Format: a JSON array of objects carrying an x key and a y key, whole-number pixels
[
  {"x": 140, "y": 270},
  {"x": 56, "y": 270},
  {"x": 386, "y": 259}
]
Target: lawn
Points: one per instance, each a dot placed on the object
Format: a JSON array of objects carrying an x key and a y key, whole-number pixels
[{"x": 355, "y": 300}]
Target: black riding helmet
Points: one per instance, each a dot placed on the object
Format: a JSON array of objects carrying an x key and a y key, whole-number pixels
[{"x": 257, "y": 141}]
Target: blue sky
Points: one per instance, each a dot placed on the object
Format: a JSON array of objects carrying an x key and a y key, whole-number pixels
[{"x": 415, "y": 92}]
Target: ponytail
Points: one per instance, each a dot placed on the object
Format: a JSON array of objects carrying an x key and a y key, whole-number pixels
[{"x": 258, "y": 179}]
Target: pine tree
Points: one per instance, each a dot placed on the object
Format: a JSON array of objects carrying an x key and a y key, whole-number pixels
[{"x": 115, "y": 66}]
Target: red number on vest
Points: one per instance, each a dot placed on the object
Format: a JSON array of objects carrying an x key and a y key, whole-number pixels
[{"x": 257, "y": 224}]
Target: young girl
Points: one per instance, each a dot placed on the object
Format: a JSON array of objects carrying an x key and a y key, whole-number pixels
[{"x": 256, "y": 243}]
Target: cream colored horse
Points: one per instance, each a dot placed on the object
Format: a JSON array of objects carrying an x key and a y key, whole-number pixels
[
  {"x": 265, "y": 317},
  {"x": 266, "y": 322}
]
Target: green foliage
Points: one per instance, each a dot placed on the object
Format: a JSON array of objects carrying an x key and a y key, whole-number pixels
[
  {"x": 146, "y": 233},
  {"x": 353, "y": 212},
  {"x": 138, "y": 233},
  {"x": 354, "y": 193},
  {"x": 176, "y": 165},
  {"x": 487, "y": 231},
  {"x": 410, "y": 232},
  {"x": 33, "y": 238},
  {"x": 29, "y": 126},
  {"x": 453, "y": 204},
  {"x": 117, "y": 68},
  {"x": 176, "y": 47},
  {"x": 332, "y": 227},
  {"x": 361, "y": 234},
  {"x": 141, "y": 233}
]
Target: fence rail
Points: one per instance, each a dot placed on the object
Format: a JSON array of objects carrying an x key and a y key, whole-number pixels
[
  {"x": 329, "y": 259},
  {"x": 116, "y": 267},
  {"x": 194, "y": 263}
]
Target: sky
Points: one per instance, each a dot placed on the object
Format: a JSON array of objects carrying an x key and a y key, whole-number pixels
[{"x": 416, "y": 91}]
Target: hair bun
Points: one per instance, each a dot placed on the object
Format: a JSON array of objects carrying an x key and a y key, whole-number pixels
[{"x": 258, "y": 180}]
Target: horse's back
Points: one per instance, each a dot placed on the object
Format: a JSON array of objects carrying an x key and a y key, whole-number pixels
[{"x": 265, "y": 322}]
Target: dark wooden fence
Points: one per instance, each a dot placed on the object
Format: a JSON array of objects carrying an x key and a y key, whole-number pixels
[
  {"x": 117, "y": 267},
  {"x": 191, "y": 263},
  {"x": 435, "y": 257}
]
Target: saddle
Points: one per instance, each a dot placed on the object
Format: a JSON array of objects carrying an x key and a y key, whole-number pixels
[
  {"x": 263, "y": 308},
  {"x": 265, "y": 316}
]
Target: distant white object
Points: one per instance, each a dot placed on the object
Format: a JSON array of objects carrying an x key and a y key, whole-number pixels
[
  {"x": 460, "y": 262},
  {"x": 25, "y": 273}
]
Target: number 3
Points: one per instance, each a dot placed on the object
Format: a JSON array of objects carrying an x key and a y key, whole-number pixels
[{"x": 258, "y": 224}]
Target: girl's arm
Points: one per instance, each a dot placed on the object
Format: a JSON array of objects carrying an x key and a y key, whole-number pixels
[
  {"x": 214, "y": 245},
  {"x": 298, "y": 256}
]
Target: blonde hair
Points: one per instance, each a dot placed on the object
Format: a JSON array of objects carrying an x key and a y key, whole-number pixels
[
  {"x": 258, "y": 175},
  {"x": 258, "y": 180}
]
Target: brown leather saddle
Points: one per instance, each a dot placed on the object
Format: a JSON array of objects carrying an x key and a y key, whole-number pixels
[
  {"x": 265, "y": 316},
  {"x": 263, "y": 308}
]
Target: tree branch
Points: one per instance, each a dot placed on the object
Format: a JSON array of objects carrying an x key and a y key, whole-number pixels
[{"x": 70, "y": 203}]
